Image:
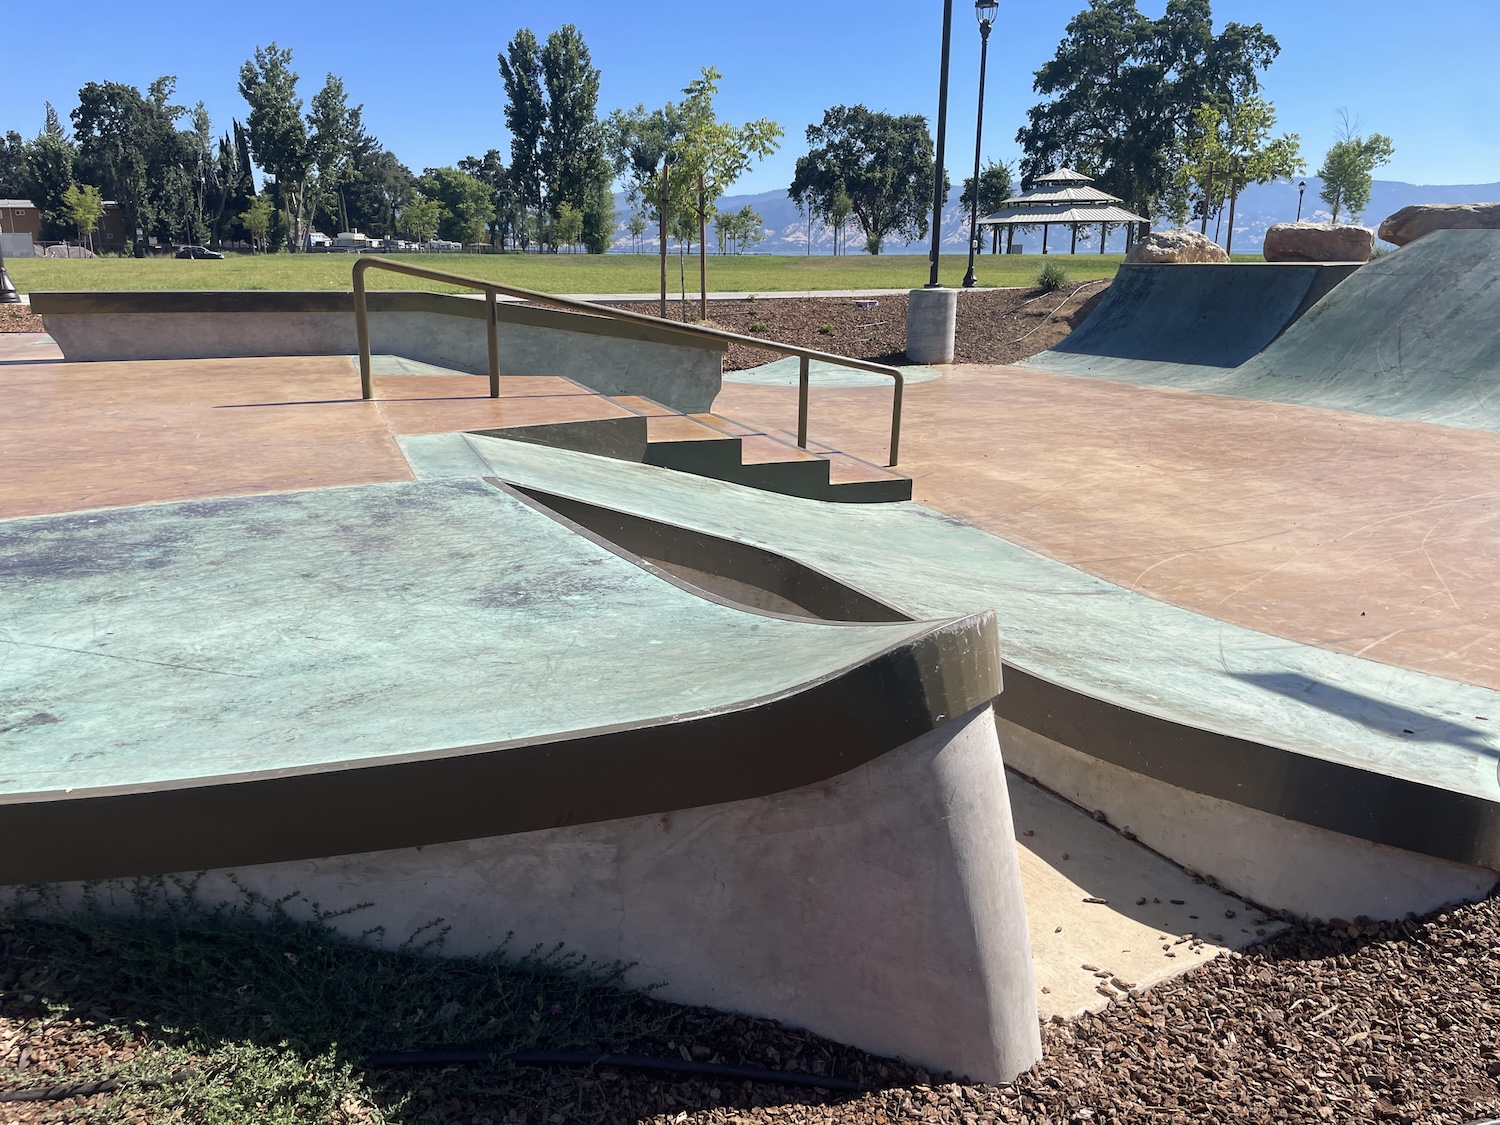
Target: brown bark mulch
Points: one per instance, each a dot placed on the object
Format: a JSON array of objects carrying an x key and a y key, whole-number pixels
[
  {"x": 1344, "y": 1022},
  {"x": 994, "y": 325},
  {"x": 19, "y": 318}
]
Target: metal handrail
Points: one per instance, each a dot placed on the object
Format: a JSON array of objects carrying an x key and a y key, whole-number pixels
[{"x": 492, "y": 288}]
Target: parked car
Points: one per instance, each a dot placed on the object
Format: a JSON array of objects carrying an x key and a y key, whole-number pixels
[{"x": 202, "y": 253}]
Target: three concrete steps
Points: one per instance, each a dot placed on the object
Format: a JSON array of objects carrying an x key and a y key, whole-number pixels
[{"x": 710, "y": 445}]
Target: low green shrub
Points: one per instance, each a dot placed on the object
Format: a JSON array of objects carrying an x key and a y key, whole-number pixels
[{"x": 1053, "y": 276}]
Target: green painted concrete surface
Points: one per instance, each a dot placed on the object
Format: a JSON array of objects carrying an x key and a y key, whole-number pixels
[
  {"x": 189, "y": 640},
  {"x": 1413, "y": 335},
  {"x": 1056, "y": 621}
]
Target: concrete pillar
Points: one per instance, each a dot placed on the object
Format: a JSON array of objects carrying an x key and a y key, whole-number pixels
[{"x": 931, "y": 317}]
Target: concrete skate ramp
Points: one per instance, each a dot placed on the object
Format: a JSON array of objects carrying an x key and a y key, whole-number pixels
[
  {"x": 1412, "y": 335},
  {"x": 1154, "y": 321}
]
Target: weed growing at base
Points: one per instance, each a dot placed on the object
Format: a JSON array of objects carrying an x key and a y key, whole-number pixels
[{"x": 273, "y": 1013}]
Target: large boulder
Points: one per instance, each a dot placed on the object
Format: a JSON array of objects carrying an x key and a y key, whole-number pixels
[
  {"x": 1179, "y": 245},
  {"x": 1317, "y": 242},
  {"x": 1411, "y": 223}
]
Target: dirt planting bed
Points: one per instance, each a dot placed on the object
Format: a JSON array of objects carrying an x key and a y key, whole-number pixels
[
  {"x": 994, "y": 325},
  {"x": 1345, "y": 1022}
]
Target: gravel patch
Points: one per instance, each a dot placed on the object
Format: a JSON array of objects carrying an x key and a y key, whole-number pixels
[
  {"x": 994, "y": 325},
  {"x": 1344, "y": 1022},
  {"x": 19, "y": 318}
]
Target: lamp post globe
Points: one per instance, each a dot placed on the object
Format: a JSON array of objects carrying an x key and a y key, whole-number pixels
[
  {"x": 1302, "y": 187},
  {"x": 985, "y": 12}
]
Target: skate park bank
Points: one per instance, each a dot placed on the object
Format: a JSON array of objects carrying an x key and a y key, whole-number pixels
[{"x": 543, "y": 682}]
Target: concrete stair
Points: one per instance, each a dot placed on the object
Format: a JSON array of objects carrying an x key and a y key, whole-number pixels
[{"x": 710, "y": 445}]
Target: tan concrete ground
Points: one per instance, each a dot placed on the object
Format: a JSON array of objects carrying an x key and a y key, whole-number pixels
[
  {"x": 100, "y": 435},
  {"x": 1086, "y": 951},
  {"x": 1356, "y": 533}
]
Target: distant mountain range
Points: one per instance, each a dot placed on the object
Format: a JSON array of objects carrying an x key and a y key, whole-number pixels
[{"x": 1260, "y": 206}]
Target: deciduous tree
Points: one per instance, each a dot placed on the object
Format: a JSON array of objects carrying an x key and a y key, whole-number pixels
[
  {"x": 712, "y": 155},
  {"x": 996, "y": 185},
  {"x": 885, "y": 164},
  {"x": 128, "y": 145},
  {"x": 84, "y": 207},
  {"x": 278, "y": 133},
  {"x": 1349, "y": 166},
  {"x": 558, "y": 146},
  {"x": 256, "y": 219},
  {"x": 1227, "y": 150},
  {"x": 419, "y": 219},
  {"x": 465, "y": 203},
  {"x": 1122, "y": 89}
]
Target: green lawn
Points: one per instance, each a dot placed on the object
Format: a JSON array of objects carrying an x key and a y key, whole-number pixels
[{"x": 561, "y": 273}]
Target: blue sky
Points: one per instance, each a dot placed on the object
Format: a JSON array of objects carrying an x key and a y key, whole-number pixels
[{"x": 1425, "y": 75}]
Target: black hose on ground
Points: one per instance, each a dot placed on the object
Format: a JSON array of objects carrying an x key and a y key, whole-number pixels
[
  {"x": 84, "y": 1089},
  {"x": 625, "y": 1062}
]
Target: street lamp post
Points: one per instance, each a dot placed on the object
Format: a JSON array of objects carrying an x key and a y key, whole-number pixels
[
  {"x": 984, "y": 12},
  {"x": 8, "y": 294},
  {"x": 939, "y": 197},
  {"x": 1302, "y": 187}
]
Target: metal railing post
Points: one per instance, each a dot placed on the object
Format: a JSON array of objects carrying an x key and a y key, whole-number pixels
[
  {"x": 803, "y": 379},
  {"x": 492, "y": 334},
  {"x": 362, "y": 331},
  {"x": 896, "y": 419}
]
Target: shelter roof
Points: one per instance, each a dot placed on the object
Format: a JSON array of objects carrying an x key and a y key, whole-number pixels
[
  {"x": 1063, "y": 176},
  {"x": 1060, "y": 195},
  {"x": 1032, "y": 216}
]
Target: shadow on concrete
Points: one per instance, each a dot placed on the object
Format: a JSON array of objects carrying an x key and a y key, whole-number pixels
[{"x": 1374, "y": 714}]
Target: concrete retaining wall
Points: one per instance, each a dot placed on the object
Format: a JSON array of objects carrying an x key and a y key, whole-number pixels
[
  {"x": 881, "y": 908},
  {"x": 443, "y": 329}
]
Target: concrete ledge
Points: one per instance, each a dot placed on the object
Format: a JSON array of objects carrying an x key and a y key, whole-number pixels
[
  {"x": 1268, "y": 859},
  {"x": 881, "y": 907},
  {"x": 443, "y": 329}
]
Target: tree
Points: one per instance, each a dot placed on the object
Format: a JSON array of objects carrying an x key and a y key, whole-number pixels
[
  {"x": 713, "y": 154},
  {"x": 641, "y": 143},
  {"x": 1349, "y": 165},
  {"x": 568, "y": 226},
  {"x": 1122, "y": 89},
  {"x": 1231, "y": 150},
  {"x": 128, "y": 145},
  {"x": 11, "y": 165},
  {"x": 996, "y": 185},
  {"x": 84, "y": 207},
  {"x": 839, "y": 208},
  {"x": 743, "y": 228},
  {"x": 525, "y": 113},
  {"x": 256, "y": 219},
  {"x": 464, "y": 202},
  {"x": 232, "y": 185},
  {"x": 637, "y": 228},
  {"x": 278, "y": 134},
  {"x": 335, "y": 137},
  {"x": 379, "y": 186},
  {"x": 420, "y": 217},
  {"x": 558, "y": 146},
  {"x": 45, "y": 174},
  {"x": 885, "y": 164}
]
